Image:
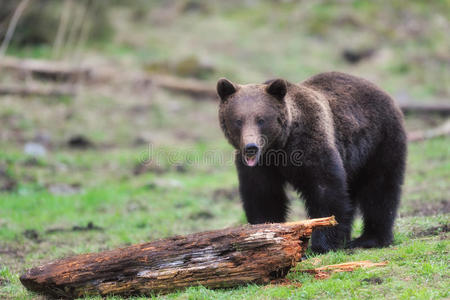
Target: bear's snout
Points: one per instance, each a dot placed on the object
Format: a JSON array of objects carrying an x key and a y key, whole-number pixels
[
  {"x": 251, "y": 149},
  {"x": 251, "y": 154}
]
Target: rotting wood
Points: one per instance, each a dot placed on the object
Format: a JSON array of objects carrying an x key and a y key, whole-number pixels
[
  {"x": 37, "y": 90},
  {"x": 326, "y": 271},
  {"x": 214, "y": 259},
  {"x": 421, "y": 135}
]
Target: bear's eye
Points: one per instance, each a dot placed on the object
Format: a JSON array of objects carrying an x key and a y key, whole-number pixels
[
  {"x": 239, "y": 123},
  {"x": 260, "y": 121}
]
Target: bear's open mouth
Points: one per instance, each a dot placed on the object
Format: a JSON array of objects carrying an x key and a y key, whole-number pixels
[{"x": 251, "y": 160}]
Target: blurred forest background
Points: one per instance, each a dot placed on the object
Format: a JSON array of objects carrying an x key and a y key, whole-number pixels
[{"x": 109, "y": 132}]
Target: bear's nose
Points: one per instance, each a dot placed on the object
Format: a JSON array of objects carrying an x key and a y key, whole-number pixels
[{"x": 251, "y": 149}]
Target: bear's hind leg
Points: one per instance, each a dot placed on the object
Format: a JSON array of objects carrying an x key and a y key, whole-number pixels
[{"x": 379, "y": 196}]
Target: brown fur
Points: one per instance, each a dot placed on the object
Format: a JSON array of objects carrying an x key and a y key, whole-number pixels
[{"x": 352, "y": 143}]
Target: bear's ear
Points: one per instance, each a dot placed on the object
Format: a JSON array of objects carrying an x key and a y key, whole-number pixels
[
  {"x": 225, "y": 88},
  {"x": 277, "y": 88}
]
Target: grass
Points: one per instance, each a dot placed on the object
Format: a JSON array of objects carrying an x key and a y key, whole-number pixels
[
  {"x": 133, "y": 209},
  {"x": 189, "y": 184},
  {"x": 251, "y": 43}
]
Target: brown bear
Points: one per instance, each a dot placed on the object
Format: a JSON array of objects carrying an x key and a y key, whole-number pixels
[{"x": 337, "y": 139}]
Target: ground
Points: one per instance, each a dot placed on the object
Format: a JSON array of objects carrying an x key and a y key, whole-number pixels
[{"x": 105, "y": 192}]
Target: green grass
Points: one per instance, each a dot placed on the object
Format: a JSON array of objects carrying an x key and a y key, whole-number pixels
[
  {"x": 134, "y": 209},
  {"x": 186, "y": 187},
  {"x": 251, "y": 43}
]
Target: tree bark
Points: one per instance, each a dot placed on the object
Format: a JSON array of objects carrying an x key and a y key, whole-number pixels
[{"x": 214, "y": 259}]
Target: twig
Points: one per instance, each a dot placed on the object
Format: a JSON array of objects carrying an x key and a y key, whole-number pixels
[{"x": 12, "y": 26}]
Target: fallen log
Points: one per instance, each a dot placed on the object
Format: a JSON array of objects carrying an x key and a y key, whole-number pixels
[
  {"x": 51, "y": 70},
  {"x": 192, "y": 87},
  {"x": 421, "y": 135},
  {"x": 36, "y": 90},
  {"x": 64, "y": 71},
  {"x": 198, "y": 88},
  {"x": 214, "y": 259},
  {"x": 425, "y": 108}
]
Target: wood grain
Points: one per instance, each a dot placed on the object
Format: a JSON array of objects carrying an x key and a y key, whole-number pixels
[{"x": 214, "y": 259}]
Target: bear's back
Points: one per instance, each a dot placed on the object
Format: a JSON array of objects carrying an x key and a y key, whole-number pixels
[
  {"x": 363, "y": 115},
  {"x": 355, "y": 102},
  {"x": 342, "y": 89}
]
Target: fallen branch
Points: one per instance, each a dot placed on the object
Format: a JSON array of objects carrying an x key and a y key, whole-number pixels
[
  {"x": 214, "y": 259},
  {"x": 57, "y": 71},
  {"x": 326, "y": 271},
  {"x": 425, "y": 108},
  {"x": 35, "y": 90},
  {"x": 68, "y": 72},
  {"x": 420, "y": 135},
  {"x": 198, "y": 88},
  {"x": 192, "y": 87}
]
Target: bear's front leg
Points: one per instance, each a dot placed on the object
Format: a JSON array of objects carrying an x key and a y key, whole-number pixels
[
  {"x": 324, "y": 189},
  {"x": 262, "y": 193}
]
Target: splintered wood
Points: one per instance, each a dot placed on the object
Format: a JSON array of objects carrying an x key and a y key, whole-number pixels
[
  {"x": 326, "y": 271},
  {"x": 214, "y": 259}
]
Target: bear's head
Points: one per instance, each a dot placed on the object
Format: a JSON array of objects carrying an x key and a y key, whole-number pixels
[{"x": 254, "y": 117}]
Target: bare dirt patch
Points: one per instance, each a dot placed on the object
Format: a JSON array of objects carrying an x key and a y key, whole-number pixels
[
  {"x": 3, "y": 281},
  {"x": 32, "y": 234},
  {"x": 79, "y": 142},
  {"x": 373, "y": 280},
  {"x": 11, "y": 256},
  {"x": 204, "y": 214},
  {"x": 4, "y": 250},
  {"x": 89, "y": 227},
  {"x": 7, "y": 182},
  {"x": 428, "y": 209},
  {"x": 435, "y": 230},
  {"x": 225, "y": 194}
]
